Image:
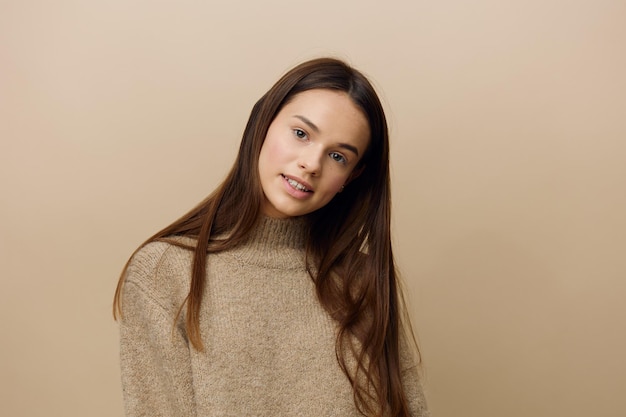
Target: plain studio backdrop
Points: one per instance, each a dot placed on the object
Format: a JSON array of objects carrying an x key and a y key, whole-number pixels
[{"x": 508, "y": 123}]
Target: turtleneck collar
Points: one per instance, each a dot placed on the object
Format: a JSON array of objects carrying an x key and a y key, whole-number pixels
[{"x": 275, "y": 243}]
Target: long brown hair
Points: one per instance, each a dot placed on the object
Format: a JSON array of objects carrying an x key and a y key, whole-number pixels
[{"x": 349, "y": 249}]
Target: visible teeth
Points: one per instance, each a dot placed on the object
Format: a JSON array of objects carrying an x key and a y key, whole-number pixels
[{"x": 296, "y": 185}]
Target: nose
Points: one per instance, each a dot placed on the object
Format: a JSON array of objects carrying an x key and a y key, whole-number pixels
[{"x": 310, "y": 161}]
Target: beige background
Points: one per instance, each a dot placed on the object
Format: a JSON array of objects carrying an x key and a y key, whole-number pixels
[{"x": 509, "y": 170}]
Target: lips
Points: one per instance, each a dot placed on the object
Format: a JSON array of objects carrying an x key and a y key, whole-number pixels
[{"x": 298, "y": 184}]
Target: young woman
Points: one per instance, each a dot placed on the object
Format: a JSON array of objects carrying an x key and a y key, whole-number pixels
[{"x": 277, "y": 295}]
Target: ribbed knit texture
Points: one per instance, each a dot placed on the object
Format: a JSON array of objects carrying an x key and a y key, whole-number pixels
[{"x": 269, "y": 345}]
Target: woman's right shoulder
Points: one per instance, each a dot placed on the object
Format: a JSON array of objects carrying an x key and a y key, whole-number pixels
[{"x": 162, "y": 267}]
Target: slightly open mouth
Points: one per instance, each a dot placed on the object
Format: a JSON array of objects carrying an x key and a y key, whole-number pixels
[{"x": 295, "y": 184}]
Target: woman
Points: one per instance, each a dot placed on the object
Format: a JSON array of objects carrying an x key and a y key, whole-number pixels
[{"x": 277, "y": 295}]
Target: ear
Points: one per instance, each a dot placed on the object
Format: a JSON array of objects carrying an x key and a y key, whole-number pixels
[{"x": 355, "y": 174}]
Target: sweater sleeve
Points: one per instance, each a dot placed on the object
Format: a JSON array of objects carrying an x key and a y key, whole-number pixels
[
  {"x": 411, "y": 381},
  {"x": 154, "y": 353},
  {"x": 415, "y": 392}
]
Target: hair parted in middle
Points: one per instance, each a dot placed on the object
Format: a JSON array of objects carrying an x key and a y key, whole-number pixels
[{"x": 349, "y": 253}]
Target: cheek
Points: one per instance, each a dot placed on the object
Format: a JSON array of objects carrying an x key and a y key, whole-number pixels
[
  {"x": 273, "y": 152},
  {"x": 266, "y": 157},
  {"x": 336, "y": 182}
]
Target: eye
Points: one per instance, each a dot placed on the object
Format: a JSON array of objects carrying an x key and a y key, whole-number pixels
[
  {"x": 336, "y": 156},
  {"x": 300, "y": 134}
]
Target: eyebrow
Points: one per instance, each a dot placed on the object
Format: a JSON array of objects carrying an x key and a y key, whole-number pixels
[
  {"x": 316, "y": 129},
  {"x": 309, "y": 123}
]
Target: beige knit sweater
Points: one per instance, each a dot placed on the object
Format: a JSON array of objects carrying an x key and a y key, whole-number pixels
[{"x": 269, "y": 345}]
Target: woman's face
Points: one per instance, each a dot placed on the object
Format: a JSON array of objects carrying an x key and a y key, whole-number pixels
[{"x": 311, "y": 150}]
